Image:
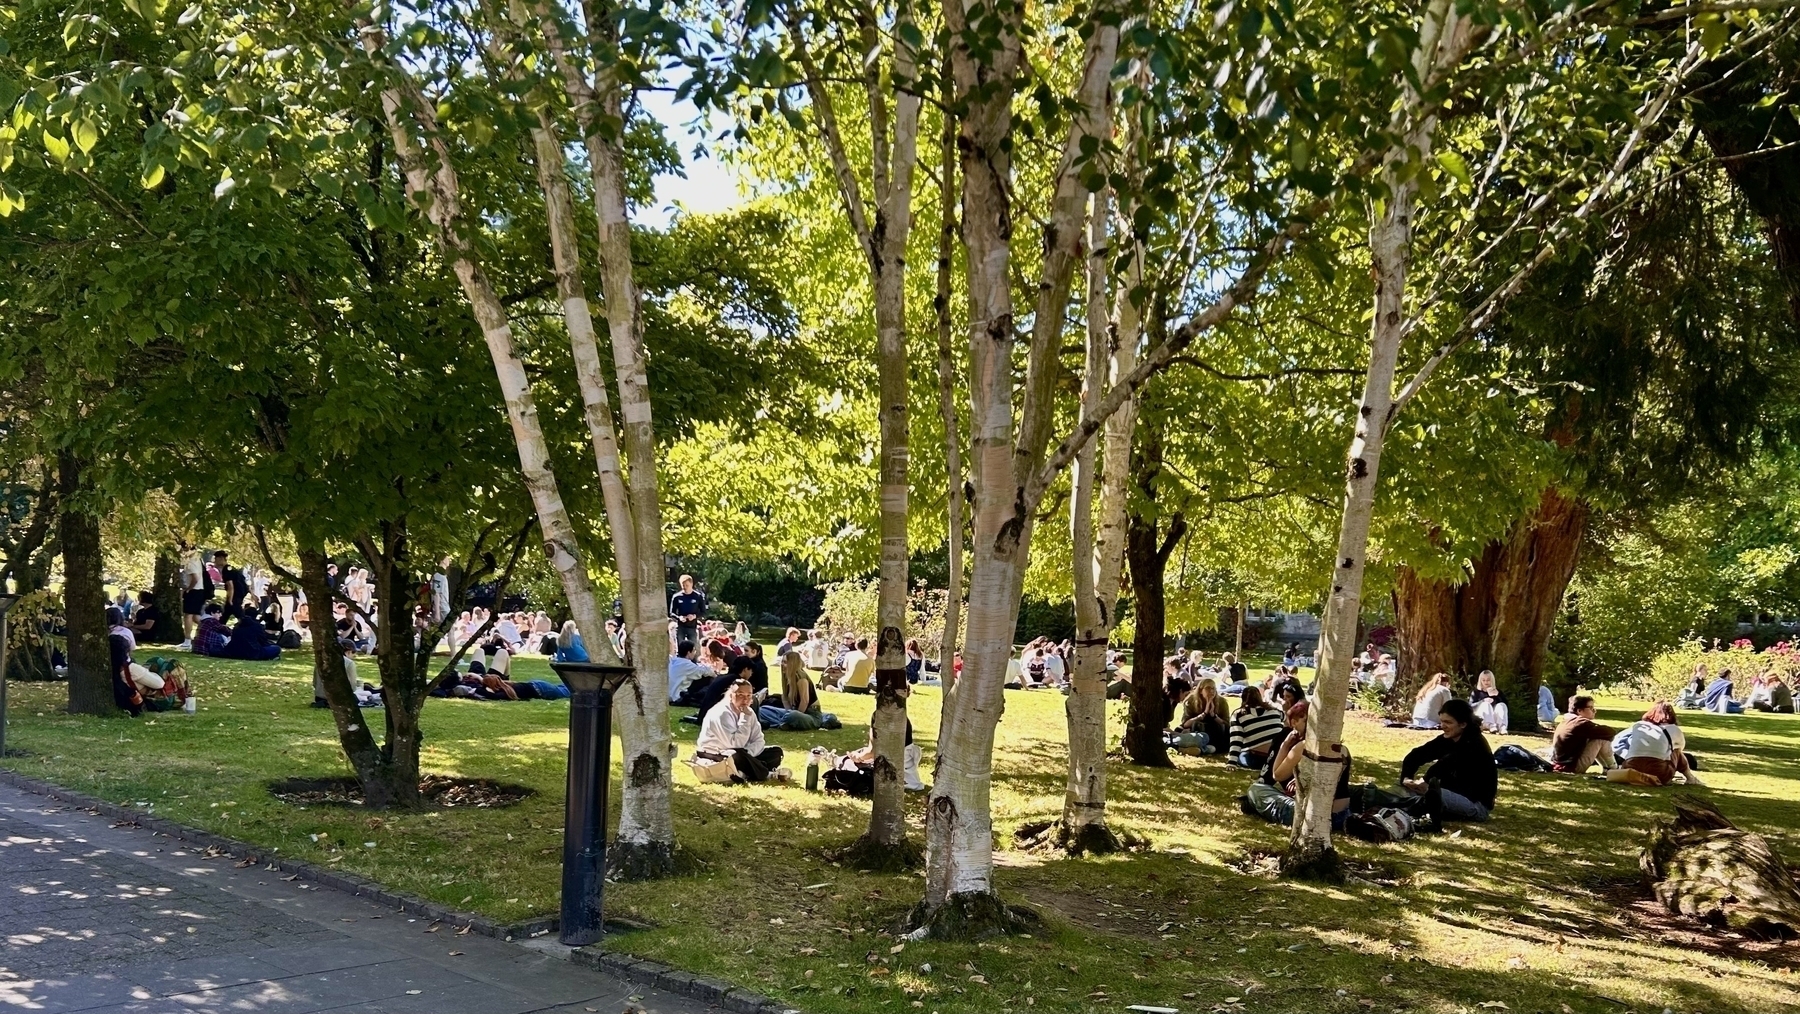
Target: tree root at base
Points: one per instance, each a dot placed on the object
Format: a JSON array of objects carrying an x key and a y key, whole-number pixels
[
  {"x": 1321, "y": 865},
  {"x": 1088, "y": 839},
  {"x": 969, "y": 917},
  {"x": 870, "y": 856},
  {"x": 635, "y": 861}
]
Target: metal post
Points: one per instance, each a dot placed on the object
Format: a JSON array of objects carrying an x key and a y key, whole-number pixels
[
  {"x": 6, "y": 604},
  {"x": 591, "y": 688}
]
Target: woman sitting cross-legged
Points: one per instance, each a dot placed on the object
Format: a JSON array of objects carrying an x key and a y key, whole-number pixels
[
  {"x": 1489, "y": 704},
  {"x": 1271, "y": 797},
  {"x": 731, "y": 730},
  {"x": 1203, "y": 713},
  {"x": 1462, "y": 781}
]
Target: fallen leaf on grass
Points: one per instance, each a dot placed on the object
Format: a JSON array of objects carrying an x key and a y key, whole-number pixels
[
  {"x": 808, "y": 951},
  {"x": 455, "y": 954}
]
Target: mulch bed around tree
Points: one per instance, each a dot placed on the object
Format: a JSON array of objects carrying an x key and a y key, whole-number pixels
[
  {"x": 439, "y": 790},
  {"x": 1645, "y": 917}
]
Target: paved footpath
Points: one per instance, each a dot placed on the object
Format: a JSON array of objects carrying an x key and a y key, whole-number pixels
[{"x": 106, "y": 920}]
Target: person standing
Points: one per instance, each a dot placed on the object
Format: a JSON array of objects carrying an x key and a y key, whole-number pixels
[
  {"x": 232, "y": 578},
  {"x": 440, "y": 591},
  {"x": 687, "y": 609},
  {"x": 194, "y": 596}
]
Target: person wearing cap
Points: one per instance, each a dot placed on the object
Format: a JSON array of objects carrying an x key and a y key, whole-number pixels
[{"x": 731, "y": 729}]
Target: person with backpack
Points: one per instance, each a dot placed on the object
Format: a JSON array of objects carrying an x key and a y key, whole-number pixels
[
  {"x": 1462, "y": 781},
  {"x": 1653, "y": 750}
]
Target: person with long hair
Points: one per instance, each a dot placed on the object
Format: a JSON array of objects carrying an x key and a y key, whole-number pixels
[
  {"x": 1654, "y": 749},
  {"x": 1489, "y": 704},
  {"x": 1204, "y": 712},
  {"x": 569, "y": 645},
  {"x": 1462, "y": 781},
  {"x": 1430, "y": 700},
  {"x": 1271, "y": 797}
]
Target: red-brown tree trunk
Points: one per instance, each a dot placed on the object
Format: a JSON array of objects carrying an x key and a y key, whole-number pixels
[{"x": 1500, "y": 618}]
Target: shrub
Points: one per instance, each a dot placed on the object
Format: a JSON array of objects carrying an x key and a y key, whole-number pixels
[
  {"x": 849, "y": 608},
  {"x": 1670, "y": 671}
]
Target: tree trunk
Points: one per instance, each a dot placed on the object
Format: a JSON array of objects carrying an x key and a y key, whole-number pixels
[
  {"x": 354, "y": 735},
  {"x": 84, "y": 596},
  {"x": 953, "y": 468},
  {"x": 958, "y": 823},
  {"x": 1502, "y": 617},
  {"x": 1702, "y": 866},
  {"x": 1444, "y": 38},
  {"x": 166, "y": 586},
  {"x": 1147, "y": 552},
  {"x": 1083, "y": 826}
]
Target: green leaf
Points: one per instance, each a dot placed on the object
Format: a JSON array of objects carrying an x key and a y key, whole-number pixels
[
  {"x": 56, "y": 146},
  {"x": 86, "y": 135},
  {"x": 1713, "y": 33},
  {"x": 152, "y": 177},
  {"x": 1455, "y": 166}
]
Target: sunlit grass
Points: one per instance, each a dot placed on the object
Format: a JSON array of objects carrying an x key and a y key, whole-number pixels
[{"x": 1513, "y": 912}]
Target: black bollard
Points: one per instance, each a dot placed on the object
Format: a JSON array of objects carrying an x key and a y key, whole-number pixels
[{"x": 591, "y": 688}]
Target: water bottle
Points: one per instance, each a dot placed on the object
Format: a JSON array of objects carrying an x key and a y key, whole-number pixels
[
  {"x": 190, "y": 704},
  {"x": 812, "y": 770}
]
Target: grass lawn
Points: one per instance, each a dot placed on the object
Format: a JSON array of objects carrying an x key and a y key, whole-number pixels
[{"x": 1523, "y": 913}]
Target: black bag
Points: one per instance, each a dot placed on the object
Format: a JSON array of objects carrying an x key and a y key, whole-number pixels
[
  {"x": 857, "y": 783},
  {"x": 1517, "y": 758},
  {"x": 289, "y": 639}
]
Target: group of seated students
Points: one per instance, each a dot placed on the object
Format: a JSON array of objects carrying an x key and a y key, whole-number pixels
[
  {"x": 1768, "y": 692},
  {"x": 1650, "y": 751},
  {"x": 1486, "y": 700},
  {"x": 247, "y": 640}
]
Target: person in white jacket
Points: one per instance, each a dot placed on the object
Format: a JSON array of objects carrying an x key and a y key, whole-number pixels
[{"x": 732, "y": 730}]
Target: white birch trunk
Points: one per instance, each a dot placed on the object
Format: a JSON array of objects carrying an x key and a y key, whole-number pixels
[
  {"x": 1444, "y": 40},
  {"x": 440, "y": 186},
  {"x": 584, "y": 348},
  {"x": 1084, "y": 799},
  {"x": 946, "y": 364},
  {"x": 644, "y": 843},
  {"x": 959, "y": 829}
]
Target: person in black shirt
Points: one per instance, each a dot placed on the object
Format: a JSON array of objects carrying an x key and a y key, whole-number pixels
[
  {"x": 687, "y": 609},
  {"x": 750, "y": 666},
  {"x": 235, "y": 585},
  {"x": 143, "y": 622},
  {"x": 1462, "y": 781}
]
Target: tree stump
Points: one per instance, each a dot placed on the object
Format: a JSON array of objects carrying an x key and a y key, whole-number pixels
[{"x": 1701, "y": 865}]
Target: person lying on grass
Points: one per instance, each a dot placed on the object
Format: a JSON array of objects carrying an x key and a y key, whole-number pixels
[
  {"x": 1256, "y": 729},
  {"x": 1580, "y": 742},
  {"x": 731, "y": 730},
  {"x": 1462, "y": 781},
  {"x": 1271, "y": 796},
  {"x": 1653, "y": 750}
]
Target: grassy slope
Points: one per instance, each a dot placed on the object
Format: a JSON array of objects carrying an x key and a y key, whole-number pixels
[{"x": 1512, "y": 911}]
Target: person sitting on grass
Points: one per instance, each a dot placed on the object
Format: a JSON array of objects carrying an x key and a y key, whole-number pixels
[
  {"x": 1430, "y": 700},
  {"x": 1718, "y": 698},
  {"x": 125, "y": 691},
  {"x": 210, "y": 636},
  {"x": 143, "y": 622},
  {"x": 1462, "y": 781},
  {"x": 1546, "y": 707},
  {"x": 569, "y": 645},
  {"x": 1255, "y": 730},
  {"x": 731, "y": 730},
  {"x": 250, "y": 640},
  {"x": 1778, "y": 697},
  {"x": 1489, "y": 704},
  {"x": 686, "y": 676},
  {"x": 749, "y": 664},
  {"x": 1653, "y": 750},
  {"x": 1580, "y": 742},
  {"x": 1271, "y": 797},
  {"x": 115, "y": 625},
  {"x": 1203, "y": 712}
]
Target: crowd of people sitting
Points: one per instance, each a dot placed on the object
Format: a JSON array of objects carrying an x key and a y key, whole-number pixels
[{"x": 1769, "y": 692}]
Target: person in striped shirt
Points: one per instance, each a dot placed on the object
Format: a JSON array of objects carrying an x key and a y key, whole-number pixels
[{"x": 1255, "y": 730}]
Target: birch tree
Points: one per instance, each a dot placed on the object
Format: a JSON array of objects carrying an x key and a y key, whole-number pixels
[
  {"x": 1446, "y": 36},
  {"x": 883, "y": 46}
]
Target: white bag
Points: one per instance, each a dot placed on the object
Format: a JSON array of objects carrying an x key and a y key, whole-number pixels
[{"x": 712, "y": 772}]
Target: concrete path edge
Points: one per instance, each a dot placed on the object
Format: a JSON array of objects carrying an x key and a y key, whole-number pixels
[{"x": 624, "y": 966}]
